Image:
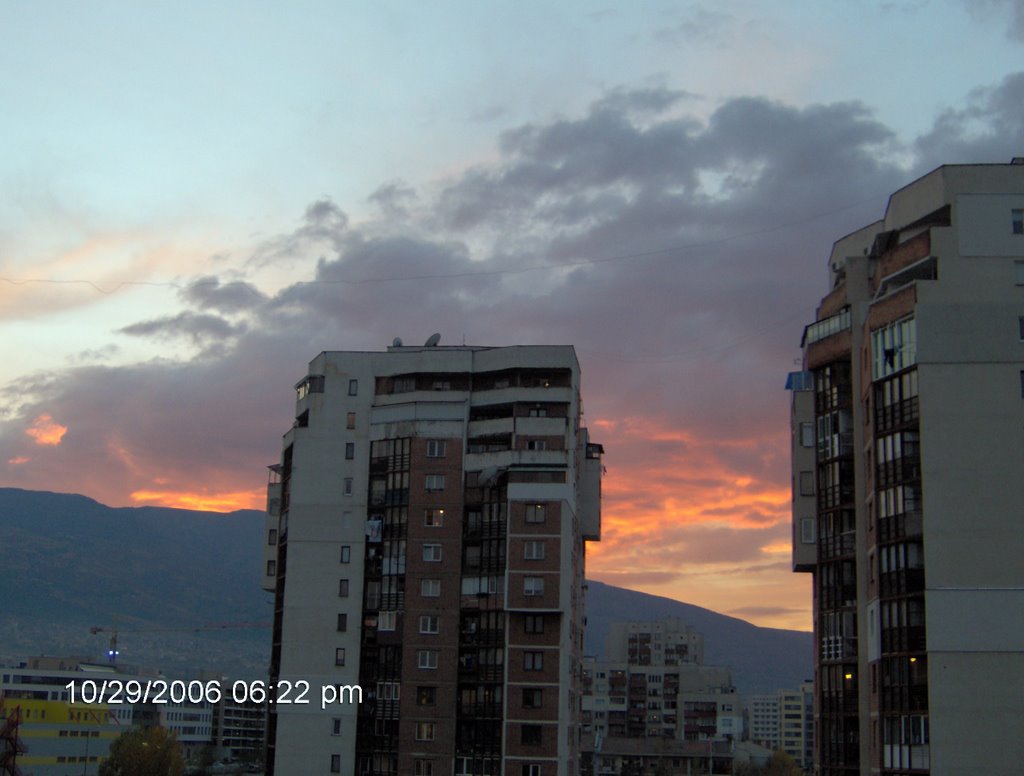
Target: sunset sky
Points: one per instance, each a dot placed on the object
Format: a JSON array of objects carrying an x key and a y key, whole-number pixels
[{"x": 197, "y": 198}]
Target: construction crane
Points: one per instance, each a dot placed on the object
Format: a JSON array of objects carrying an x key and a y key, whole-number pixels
[{"x": 113, "y": 652}]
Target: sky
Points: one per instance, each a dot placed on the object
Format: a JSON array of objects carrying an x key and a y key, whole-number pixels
[{"x": 197, "y": 198}]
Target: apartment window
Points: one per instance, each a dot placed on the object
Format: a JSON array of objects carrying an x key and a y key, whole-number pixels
[
  {"x": 343, "y": 588},
  {"x": 533, "y": 551},
  {"x": 531, "y": 734},
  {"x": 347, "y": 487},
  {"x": 339, "y": 656},
  {"x": 433, "y": 518},
  {"x": 335, "y": 763},
  {"x": 387, "y": 620},
  {"x": 806, "y": 483},
  {"x": 430, "y": 588},
  {"x": 389, "y": 691},
  {"x": 336, "y": 726},
  {"x": 436, "y": 448},
  {"x": 434, "y": 482},
  {"x": 426, "y": 658},
  {"x": 425, "y": 731},
  {"x": 536, "y": 444},
  {"x": 532, "y": 769},
  {"x": 271, "y": 568},
  {"x": 1022, "y": 384},
  {"x": 533, "y": 661},
  {"x": 1017, "y": 218},
  {"x": 1020, "y": 328},
  {"x": 346, "y": 553},
  {"x": 535, "y": 623},
  {"x": 807, "y": 530},
  {"x": 404, "y": 385},
  {"x": 423, "y": 768},
  {"x": 534, "y": 513},
  {"x": 430, "y": 624},
  {"x": 1018, "y": 268},
  {"x": 538, "y": 412},
  {"x": 272, "y": 533},
  {"x": 533, "y": 586},
  {"x": 426, "y": 696},
  {"x": 533, "y": 698},
  {"x": 432, "y": 553},
  {"x": 350, "y": 451},
  {"x": 342, "y": 622},
  {"x": 353, "y": 387},
  {"x": 442, "y": 385},
  {"x": 807, "y": 435}
]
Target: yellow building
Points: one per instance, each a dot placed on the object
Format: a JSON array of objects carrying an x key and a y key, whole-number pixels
[{"x": 56, "y": 734}]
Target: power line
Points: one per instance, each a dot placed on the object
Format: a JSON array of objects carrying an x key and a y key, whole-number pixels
[{"x": 118, "y": 285}]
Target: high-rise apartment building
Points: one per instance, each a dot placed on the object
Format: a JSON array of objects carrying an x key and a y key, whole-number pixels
[
  {"x": 908, "y": 448},
  {"x": 425, "y": 543}
]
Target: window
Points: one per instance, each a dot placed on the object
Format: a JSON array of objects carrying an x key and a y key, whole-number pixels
[
  {"x": 533, "y": 698},
  {"x": 346, "y": 553},
  {"x": 436, "y": 448},
  {"x": 335, "y": 763},
  {"x": 426, "y": 658},
  {"x": 433, "y": 518},
  {"x": 538, "y": 412},
  {"x": 343, "y": 588},
  {"x": 1022, "y": 384},
  {"x": 533, "y": 586},
  {"x": 535, "y": 623},
  {"x": 336, "y": 726},
  {"x": 531, "y": 734},
  {"x": 432, "y": 553},
  {"x": 534, "y": 513},
  {"x": 424, "y": 731},
  {"x": 350, "y": 420},
  {"x": 272, "y": 533},
  {"x": 389, "y": 691},
  {"x": 533, "y": 551},
  {"x": 426, "y": 696},
  {"x": 339, "y": 656},
  {"x": 532, "y": 769},
  {"x": 350, "y": 451},
  {"x": 423, "y": 768},
  {"x": 404, "y": 385},
  {"x": 353, "y": 387},
  {"x": 806, "y": 483},
  {"x": 1017, "y": 218},
  {"x": 347, "y": 488},
  {"x": 429, "y": 623},
  {"x": 430, "y": 588},
  {"x": 807, "y": 435},
  {"x": 1020, "y": 328},
  {"x": 387, "y": 620},
  {"x": 342, "y": 622},
  {"x": 536, "y": 444},
  {"x": 271, "y": 568},
  {"x": 807, "y": 530},
  {"x": 1018, "y": 268},
  {"x": 434, "y": 482},
  {"x": 533, "y": 661},
  {"x": 442, "y": 385}
]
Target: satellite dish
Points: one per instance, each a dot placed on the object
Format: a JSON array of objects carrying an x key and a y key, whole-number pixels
[
  {"x": 396, "y": 342},
  {"x": 432, "y": 340}
]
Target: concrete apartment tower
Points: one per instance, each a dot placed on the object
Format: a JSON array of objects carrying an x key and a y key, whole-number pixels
[
  {"x": 425, "y": 541},
  {"x": 908, "y": 454}
]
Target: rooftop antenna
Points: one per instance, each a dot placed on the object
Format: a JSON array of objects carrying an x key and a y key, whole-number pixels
[{"x": 432, "y": 340}]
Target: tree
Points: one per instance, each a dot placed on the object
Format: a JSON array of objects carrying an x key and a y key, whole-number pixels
[
  {"x": 152, "y": 752},
  {"x": 780, "y": 764}
]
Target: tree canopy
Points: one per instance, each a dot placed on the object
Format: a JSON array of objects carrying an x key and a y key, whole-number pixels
[{"x": 151, "y": 752}]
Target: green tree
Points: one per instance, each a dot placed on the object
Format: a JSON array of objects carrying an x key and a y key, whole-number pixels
[{"x": 152, "y": 752}]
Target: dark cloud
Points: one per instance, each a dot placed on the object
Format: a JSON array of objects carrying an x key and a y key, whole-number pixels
[
  {"x": 208, "y": 293},
  {"x": 986, "y": 9},
  {"x": 393, "y": 199},
  {"x": 324, "y": 225},
  {"x": 200, "y": 328}
]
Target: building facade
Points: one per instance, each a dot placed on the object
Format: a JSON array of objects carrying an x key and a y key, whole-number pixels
[
  {"x": 425, "y": 538},
  {"x": 907, "y": 453}
]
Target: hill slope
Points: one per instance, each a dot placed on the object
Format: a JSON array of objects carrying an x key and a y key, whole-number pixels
[{"x": 71, "y": 563}]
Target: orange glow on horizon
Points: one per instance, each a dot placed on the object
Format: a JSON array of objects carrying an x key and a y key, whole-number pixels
[
  {"x": 21, "y": 459},
  {"x": 203, "y": 502},
  {"x": 46, "y": 431}
]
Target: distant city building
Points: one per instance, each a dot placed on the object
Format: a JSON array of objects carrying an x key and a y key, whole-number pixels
[
  {"x": 653, "y": 704},
  {"x": 907, "y": 458},
  {"x": 425, "y": 544}
]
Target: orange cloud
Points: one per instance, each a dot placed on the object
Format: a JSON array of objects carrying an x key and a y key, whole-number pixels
[
  {"x": 46, "y": 431},
  {"x": 21, "y": 459},
  {"x": 205, "y": 502}
]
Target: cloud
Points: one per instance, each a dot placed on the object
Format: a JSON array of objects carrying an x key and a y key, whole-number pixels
[
  {"x": 680, "y": 255},
  {"x": 985, "y": 9},
  {"x": 46, "y": 431},
  {"x": 199, "y": 328}
]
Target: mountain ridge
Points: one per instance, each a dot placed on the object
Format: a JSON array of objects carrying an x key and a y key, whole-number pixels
[{"x": 158, "y": 574}]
